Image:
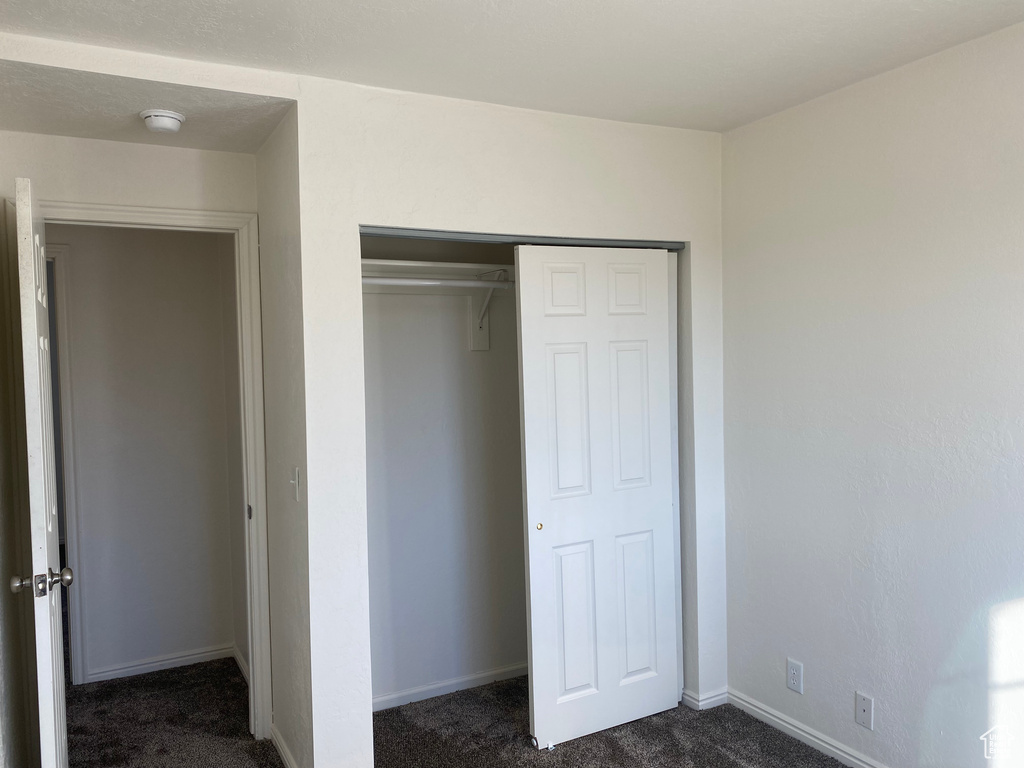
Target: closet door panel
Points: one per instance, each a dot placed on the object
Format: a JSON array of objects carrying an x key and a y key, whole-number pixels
[
  {"x": 595, "y": 406},
  {"x": 569, "y": 419},
  {"x": 577, "y": 633},
  {"x": 631, "y": 447}
]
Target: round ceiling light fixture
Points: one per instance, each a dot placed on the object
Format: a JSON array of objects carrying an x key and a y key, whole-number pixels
[{"x": 162, "y": 120}]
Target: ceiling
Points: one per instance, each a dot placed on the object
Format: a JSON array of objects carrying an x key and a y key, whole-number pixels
[
  {"x": 66, "y": 102},
  {"x": 711, "y": 64}
]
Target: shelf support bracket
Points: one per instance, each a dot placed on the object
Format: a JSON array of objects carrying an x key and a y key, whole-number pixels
[
  {"x": 480, "y": 318},
  {"x": 479, "y": 321}
]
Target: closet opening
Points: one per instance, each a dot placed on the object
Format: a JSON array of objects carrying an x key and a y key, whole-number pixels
[
  {"x": 153, "y": 454},
  {"x": 522, "y": 487},
  {"x": 444, "y": 485}
]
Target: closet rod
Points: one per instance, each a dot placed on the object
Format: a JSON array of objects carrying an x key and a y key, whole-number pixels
[{"x": 440, "y": 281}]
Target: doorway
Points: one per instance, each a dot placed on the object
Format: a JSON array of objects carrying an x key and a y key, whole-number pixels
[
  {"x": 149, "y": 479},
  {"x": 237, "y": 363}
]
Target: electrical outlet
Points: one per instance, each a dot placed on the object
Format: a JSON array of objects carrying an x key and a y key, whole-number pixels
[
  {"x": 795, "y": 676},
  {"x": 865, "y": 714}
]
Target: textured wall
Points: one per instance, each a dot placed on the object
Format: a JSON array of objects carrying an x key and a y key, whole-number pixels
[
  {"x": 874, "y": 286},
  {"x": 113, "y": 172},
  {"x": 285, "y": 414}
]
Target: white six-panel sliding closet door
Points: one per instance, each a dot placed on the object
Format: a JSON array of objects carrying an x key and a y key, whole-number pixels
[{"x": 596, "y": 406}]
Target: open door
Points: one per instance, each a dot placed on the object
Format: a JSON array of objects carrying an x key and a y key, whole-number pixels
[
  {"x": 37, "y": 444},
  {"x": 595, "y": 393}
]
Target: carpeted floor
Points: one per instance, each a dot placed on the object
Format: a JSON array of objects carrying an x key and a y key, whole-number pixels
[
  {"x": 197, "y": 717},
  {"x": 488, "y": 727},
  {"x": 188, "y": 717}
]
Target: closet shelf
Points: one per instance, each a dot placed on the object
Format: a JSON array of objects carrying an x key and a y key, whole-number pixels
[
  {"x": 444, "y": 277},
  {"x": 476, "y": 281},
  {"x": 432, "y": 282}
]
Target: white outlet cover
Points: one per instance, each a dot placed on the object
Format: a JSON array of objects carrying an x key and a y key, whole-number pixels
[
  {"x": 795, "y": 676},
  {"x": 865, "y": 714}
]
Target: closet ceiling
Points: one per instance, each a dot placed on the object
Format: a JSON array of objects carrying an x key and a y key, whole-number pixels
[{"x": 711, "y": 64}]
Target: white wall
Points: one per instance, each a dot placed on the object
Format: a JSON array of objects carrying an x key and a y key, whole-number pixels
[
  {"x": 444, "y": 493},
  {"x": 87, "y": 170},
  {"x": 368, "y": 156},
  {"x": 146, "y": 348},
  {"x": 874, "y": 286},
  {"x": 285, "y": 415}
]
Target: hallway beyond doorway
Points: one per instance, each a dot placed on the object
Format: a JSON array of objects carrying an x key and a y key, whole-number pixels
[{"x": 187, "y": 717}]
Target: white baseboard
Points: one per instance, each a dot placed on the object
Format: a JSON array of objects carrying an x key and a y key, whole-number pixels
[
  {"x": 421, "y": 692},
  {"x": 240, "y": 661},
  {"x": 707, "y": 701},
  {"x": 801, "y": 732},
  {"x": 282, "y": 748},
  {"x": 157, "y": 663}
]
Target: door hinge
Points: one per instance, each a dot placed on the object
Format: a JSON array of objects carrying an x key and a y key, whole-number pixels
[{"x": 249, "y": 512}]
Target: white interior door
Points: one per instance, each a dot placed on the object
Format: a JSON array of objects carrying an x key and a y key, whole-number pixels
[
  {"x": 596, "y": 407},
  {"x": 42, "y": 490}
]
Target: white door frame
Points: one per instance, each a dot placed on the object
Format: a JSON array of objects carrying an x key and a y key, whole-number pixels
[{"x": 250, "y": 344}]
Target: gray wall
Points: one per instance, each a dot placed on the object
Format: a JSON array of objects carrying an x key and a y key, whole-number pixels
[
  {"x": 155, "y": 417},
  {"x": 444, "y": 492}
]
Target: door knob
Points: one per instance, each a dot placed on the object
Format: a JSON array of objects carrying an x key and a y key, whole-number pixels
[
  {"x": 65, "y": 577},
  {"x": 18, "y": 583}
]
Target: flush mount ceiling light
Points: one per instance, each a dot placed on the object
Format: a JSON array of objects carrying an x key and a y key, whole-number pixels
[{"x": 162, "y": 120}]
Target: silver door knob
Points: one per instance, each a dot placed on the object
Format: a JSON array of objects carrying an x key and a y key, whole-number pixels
[
  {"x": 18, "y": 583},
  {"x": 65, "y": 577}
]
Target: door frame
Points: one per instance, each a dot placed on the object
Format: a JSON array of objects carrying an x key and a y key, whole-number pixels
[
  {"x": 677, "y": 251},
  {"x": 248, "y": 323}
]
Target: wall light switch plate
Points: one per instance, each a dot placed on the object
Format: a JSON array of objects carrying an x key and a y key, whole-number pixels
[
  {"x": 865, "y": 714},
  {"x": 795, "y": 676}
]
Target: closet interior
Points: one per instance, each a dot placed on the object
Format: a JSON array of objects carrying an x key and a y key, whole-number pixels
[{"x": 444, "y": 480}]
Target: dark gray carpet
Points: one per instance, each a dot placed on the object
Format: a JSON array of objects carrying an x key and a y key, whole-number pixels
[
  {"x": 188, "y": 717},
  {"x": 488, "y": 727}
]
